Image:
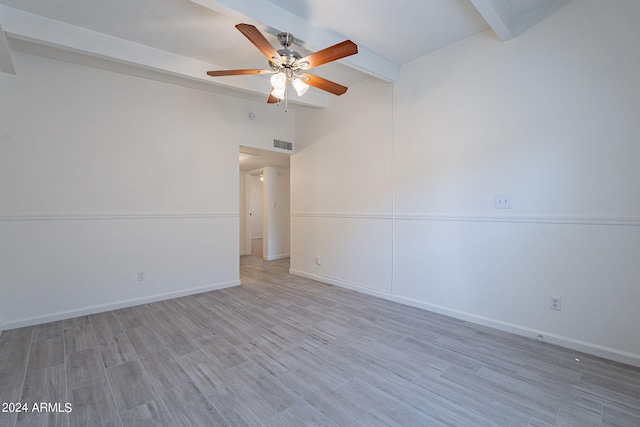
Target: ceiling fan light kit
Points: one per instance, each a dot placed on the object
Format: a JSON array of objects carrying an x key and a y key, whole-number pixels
[
  {"x": 288, "y": 66},
  {"x": 300, "y": 86}
]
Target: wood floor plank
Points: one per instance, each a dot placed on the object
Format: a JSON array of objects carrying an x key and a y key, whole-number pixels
[
  {"x": 619, "y": 415},
  {"x": 130, "y": 385},
  {"x": 519, "y": 398},
  {"x": 76, "y": 323},
  {"x": 437, "y": 357},
  {"x": 385, "y": 407},
  {"x": 47, "y": 330},
  {"x": 389, "y": 358},
  {"x": 353, "y": 364},
  {"x": 105, "y": 326},
  {"x": 575, "y": 416},
  {"x": 188, "y": 407},
  {"x": 222, "y": 351},
  {"x": 117, "y": 351},
  {"x": 13, "y": 363},
  {"x": 167, "y": 328},
  {"x": 15, "y": 339},
  {"x": 93, "y": 405},
  {"x": 46, "y": 352},
  {"x": 209, "y": 376},
  {"x": 267, "y": 388},
  {"x": 129, "y": 318},
  {"x": 626, "y": 386},
  {"x": 84, "y": 367},
  {"x": 252, "y": 412},
  {"x": 9, "y": 393},
  {"x": 151, "y": 414},
  {"x": 563, "y": 393},
  {"x": 332, "y": 375},
  {"x": 317, "y": 389},
  {"x": 426, "y": 400},
  {"x": 163, "y": 370},
  {"x": 143, "y": 339},
  {"x": 190, "y": 326},
  {"x": 46, "y": 385},
  {"x": 235, "y": 330},
  {"x": 474, "y": 401},
  {"x": 79, "y": 338},
  {"x": 273, "y": 360},
  {"x": 483, "y": 351},
  {"x": 330, "y": 331},
  {"x": 303, "y": 414},
  {"x": 370, "y": 420}
]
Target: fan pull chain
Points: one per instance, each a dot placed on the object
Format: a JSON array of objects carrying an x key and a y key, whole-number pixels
[{"x": 286, "y": 98}]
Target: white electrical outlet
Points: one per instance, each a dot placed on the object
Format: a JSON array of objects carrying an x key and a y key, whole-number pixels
[
  {"x": 555, "y": 303},
  {"x": 141, "y": 276},
  {"x": 318, "y": 260},
  {"x": 503, "y": 201}
]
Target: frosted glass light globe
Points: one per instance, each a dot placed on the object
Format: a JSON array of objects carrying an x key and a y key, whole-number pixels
[{"x": 279, "y": 81}]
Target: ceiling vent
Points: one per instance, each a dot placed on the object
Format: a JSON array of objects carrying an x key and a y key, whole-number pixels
[{"x": 283, "y": 145}]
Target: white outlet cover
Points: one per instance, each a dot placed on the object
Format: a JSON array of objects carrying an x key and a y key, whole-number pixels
[{"x": 503, "y": 201}]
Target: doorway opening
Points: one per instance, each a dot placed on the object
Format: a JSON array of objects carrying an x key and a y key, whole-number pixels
[
  {"x": 255, "y": 201},
  {"x": 264, "y": 203}
]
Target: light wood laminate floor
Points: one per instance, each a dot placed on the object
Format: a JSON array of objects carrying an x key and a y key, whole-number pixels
[{"x": 286, "y": 351}]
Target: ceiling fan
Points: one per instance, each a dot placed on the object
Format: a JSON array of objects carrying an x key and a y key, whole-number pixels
[{"x": 288, "y": 66}]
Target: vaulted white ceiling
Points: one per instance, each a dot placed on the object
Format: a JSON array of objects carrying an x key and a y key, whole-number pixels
[{"x": 179, "y": 40}]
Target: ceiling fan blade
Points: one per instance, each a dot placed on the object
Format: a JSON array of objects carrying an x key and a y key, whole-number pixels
[
  {"x": 221, "y": 73},
  {"x": 324, "y": 84},
  {"x": 255, "y": 36},
  {"x": 338, "y": 51},
  {"x": 272, "y": 100}
]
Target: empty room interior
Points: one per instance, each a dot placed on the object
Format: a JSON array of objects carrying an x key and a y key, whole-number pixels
[{"x": 319, "y": 212}]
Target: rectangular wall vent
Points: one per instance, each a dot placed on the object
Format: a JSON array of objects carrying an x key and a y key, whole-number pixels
[{"x": 284, "y": 145}]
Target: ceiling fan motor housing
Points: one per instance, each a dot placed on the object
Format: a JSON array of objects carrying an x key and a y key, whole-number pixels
[
  {"x": 286, "y": 39},
  {"x": 288, "y": 56}
]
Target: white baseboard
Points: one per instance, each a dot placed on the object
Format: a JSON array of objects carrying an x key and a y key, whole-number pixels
[
  {"x": 559, "y": 340},
  {"x": 69, "y": 314}
]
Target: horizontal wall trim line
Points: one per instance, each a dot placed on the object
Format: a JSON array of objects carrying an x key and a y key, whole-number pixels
[
  {"x": 117, "y": 216},
  {"x": 578, "y": 220},
  {"x": 341, "y": 215},
  {"x": 568, "y": 220}
]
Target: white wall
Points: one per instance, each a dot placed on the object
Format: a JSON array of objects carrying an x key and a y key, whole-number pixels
[
  {"x": 341, "y": 192},
  {"x": 277, "y": 212},
  {"x": 241, "y": 212},
  {"x": 551, "y": 118},
  {"x": 104, "y": 175},
  {"x": 256, "y": 207}
]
